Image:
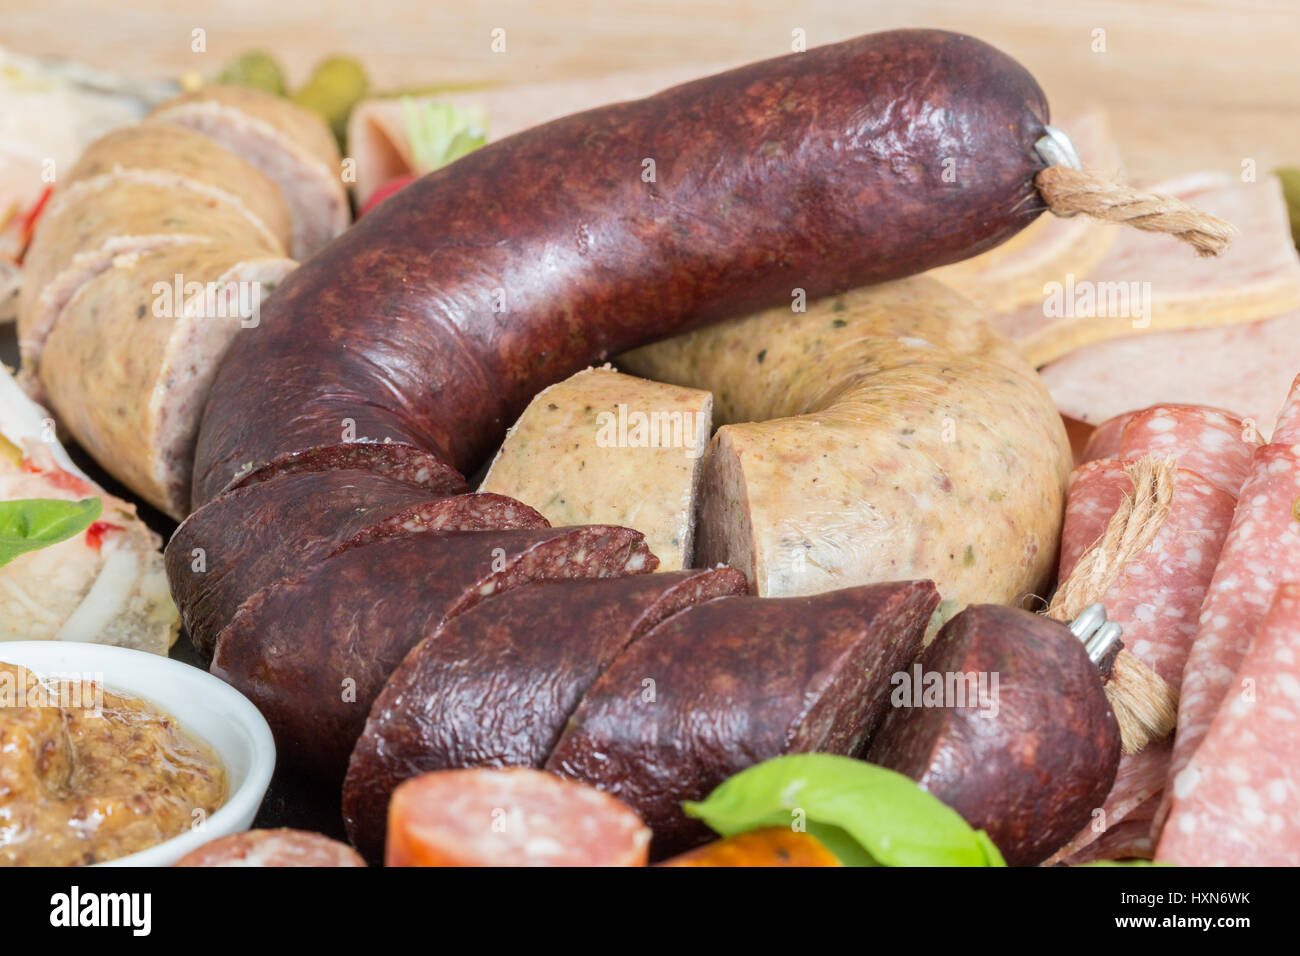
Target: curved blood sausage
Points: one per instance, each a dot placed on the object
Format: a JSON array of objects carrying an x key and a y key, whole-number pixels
[
  {"x": 313, "y": 651},
  {"x": 273, "y": 848},
  {"x": 1027, "y": 764},
  {"x": 494, "y": 686},
  {"x": 427, "y": 327},
  {"x": 516, "y": 817},
  {"x": 251, "y": 537},
  {"x": 732, "y": 683}
]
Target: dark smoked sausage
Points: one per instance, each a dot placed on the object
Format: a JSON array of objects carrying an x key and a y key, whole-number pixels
[
  {"x": 251, "y": 537},
  {"x": 1029, "y": 764},
  {"x": 542, "y": 645},
  {"x": 313, "y": 651},
  {"x": 736, "y": 681},
  {"x": 420, "y": 334}
]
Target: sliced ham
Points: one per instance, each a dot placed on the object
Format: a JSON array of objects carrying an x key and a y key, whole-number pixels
[
  {"x": 1259, "y": 275},
  {"x": 1247, "y": 368}
]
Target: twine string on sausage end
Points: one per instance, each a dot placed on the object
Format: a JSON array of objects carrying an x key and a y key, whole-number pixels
[
  {"x": 1145, "y": 706},
  {"x": 1070, "y": 191}
]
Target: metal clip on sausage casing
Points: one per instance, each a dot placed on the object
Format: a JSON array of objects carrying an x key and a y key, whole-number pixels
[
  {"x": 1057, "y": 149},
  {"x": 1101, "y": 638}
]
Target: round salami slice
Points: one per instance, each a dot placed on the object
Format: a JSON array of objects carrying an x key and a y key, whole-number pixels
[
  {"x": 516, "y": 817},
  {"x": 1215, "y": 444},
  {"x": 273, "y": 848},
  {"x": 1234, "y": 803},
  {"x": 1157, "y": 597},
  {"x": 1261, "y": 551},
  {"x": 1104, "y": 442},
  {"x": 1209, "y": 441}
]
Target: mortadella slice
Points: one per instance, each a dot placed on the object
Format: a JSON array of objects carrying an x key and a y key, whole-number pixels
[
  {"x": 1146, "y": 283},
  {"x": 313, "y": 651},
  {"x": 494, "y": 686},
  {"x": 734, "y": 682},
  {"x": 1244, "y": 367},
  {"x": 1235, "y": 803}
]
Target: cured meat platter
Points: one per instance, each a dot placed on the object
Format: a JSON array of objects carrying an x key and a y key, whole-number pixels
[{"x": 830, "y": 459}]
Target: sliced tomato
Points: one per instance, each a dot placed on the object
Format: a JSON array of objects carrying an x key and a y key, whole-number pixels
[{"x": 386, "y": 190}]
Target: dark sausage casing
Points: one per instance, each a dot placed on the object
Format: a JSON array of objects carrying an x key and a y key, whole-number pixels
[
  {"x": 426, "y": 328},
  {"x": 734, "y": 682},
  {"x": 1030, "y": 772},
  {"x": 543, "y": 646},
  {"x": 253, "y": 536},
  {"x": 313, "y": 651}
]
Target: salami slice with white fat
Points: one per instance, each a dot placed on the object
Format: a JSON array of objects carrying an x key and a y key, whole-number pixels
[
  {"x": 273, "y": 848},
  {"x": 516, "y": 817},
  {"x": 1235, "y": 803},
  {"x": 1157, "y": 596},
  {"x": 1261, "y": 551},
  {"x": 1210, "y": 441},
  {"x": 1156, "y": 599}
]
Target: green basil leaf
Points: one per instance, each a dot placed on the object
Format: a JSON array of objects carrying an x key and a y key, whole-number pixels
[
  {"x": 891, "y": 819},
  {"x": 29, "y": 524}
]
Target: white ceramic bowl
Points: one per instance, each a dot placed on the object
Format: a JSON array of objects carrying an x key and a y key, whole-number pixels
[{"x": 208, "y": 708}]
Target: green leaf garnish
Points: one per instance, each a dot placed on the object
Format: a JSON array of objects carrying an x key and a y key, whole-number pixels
[
  {"x": 440, "y": 133},
  {"x": 29, "y": 524},
  {"x": 866, "y": 815}
]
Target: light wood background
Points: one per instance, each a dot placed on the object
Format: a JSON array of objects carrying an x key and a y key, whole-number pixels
[{"x": 1190, "y": 84}]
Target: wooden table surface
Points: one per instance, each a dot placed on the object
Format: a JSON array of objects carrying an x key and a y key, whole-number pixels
[{"x": 1189, "y": 84}]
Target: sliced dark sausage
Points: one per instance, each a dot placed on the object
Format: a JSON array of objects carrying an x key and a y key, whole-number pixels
[
  {"x": 251, "y": 537},
  {"x": 1029, "y": 763},
  {"x": 494, "y": 686},
  {"x": 313, "y": 651},
  {"x": 736, "y": 681},
  {"x": 425, "y": 329}
]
